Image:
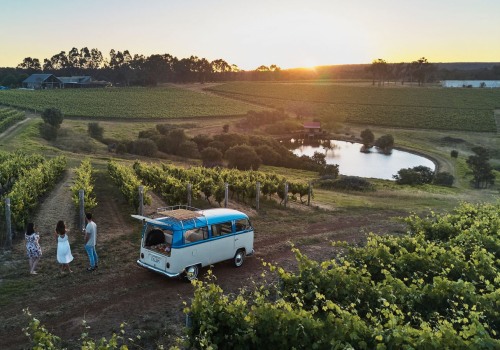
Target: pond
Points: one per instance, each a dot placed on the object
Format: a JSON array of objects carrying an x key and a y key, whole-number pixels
[{"x": 353, "y": 162}]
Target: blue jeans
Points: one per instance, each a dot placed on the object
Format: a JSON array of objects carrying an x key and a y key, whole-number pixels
[{"x": 92, "y": 255}]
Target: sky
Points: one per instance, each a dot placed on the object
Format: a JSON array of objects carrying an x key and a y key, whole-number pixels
[{"x": 251, "y": 33}]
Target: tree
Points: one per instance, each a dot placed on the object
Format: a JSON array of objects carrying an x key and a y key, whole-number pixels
[
  {"x": 53, "y": 117},
  {"x": 30, "y": 64},
  {"x": 367, "y": 137},
  {"x": 385, "y": 143},
  {"x": 379, "y": 69},
  {"x": 319, "y": 158},
  {"x": 418, "y": 175},
  {"x": 242, "y": 157},
  {"x": 482, "y": 171},
  {"x": 444, "y": 179},
  {"x": 422, "y": 69},
  {"x": 211, "y": 157}
]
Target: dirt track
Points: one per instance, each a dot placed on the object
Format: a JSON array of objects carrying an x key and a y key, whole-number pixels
[{"x": 122, "y": 292}]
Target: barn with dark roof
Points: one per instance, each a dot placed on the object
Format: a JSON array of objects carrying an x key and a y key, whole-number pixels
[{"x": 42, "y": 81}]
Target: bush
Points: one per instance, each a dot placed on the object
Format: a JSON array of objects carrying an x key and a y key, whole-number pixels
[
  {"x": 454, "y": 154},
  {"x": 385, "y": 143},
  {"x": 331, "y": 170},
  {"x": 268, "y": 155},
  {"x": 347, "y": 183},
  {"x": 202, "y": 140},
  {"x": 52, "y": 116},
  {"x": 242, "y": 157},
  {"x": 211, "y": 157},
  {"x": 284, "y": 127},
  {"x": 414, "y": 176},
  {"x": 444, "y": 179},
  {"x": 188, "y": 149},
  {"x": 367, "y": 137},
  {"x": 144, "y": 147},
  {"x": 48, "y": 132},
  {"x": 121, "y": 148},
  {"x": 95, "y": 131}
]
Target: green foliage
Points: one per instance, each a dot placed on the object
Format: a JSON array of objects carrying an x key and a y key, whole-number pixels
[
  {"x": 436, "y": 287},
  {"x": 444, "y": 179},
  {"x": 418, "y": 175},
  {"x": 211, "y": 157},
  {"x": 53, "y": 116},
  {"x": 144, "y": 147},
  {"x": 162, "y": 102},
  {"x": 83, "y": 180},
  {"x": 95, "y": 130},
  {"x": 482, "y": 171},
  {"x": 41, "y": 339},
  {"x": 128, "y": 183},
  {"x": 9, "y": 117},
  {"x": 385, "y": 143},
  {"x": 173, "y": 190},
  {"x": 14, "y": 165},
  {"x": 330, "y": 170},
  {"x": 367, "y": 137},
  {"x": 454, "y": 154},
  {"x": 347, "y": 183},
  {"x": 30, "y": 186},
  {"x": 242, "y": 157},
  {"x": 171, "y": 183},
  {"x": 284, "y": 127},
  {"x": 48, "y": 132}
]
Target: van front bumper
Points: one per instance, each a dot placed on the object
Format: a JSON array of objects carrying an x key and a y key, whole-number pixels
[{"x": 149, "y": 267}]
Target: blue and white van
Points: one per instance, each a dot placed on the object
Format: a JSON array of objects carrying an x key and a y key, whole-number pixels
[{"x": 184, "y": 239}]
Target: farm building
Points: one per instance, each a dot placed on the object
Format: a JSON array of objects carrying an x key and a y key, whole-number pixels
[
  {"x": 50, "y": 81},
  {"x": 42, "y": 81},
  {"x": 471, "y": 83},
  {"x": 81, "y": 82},
  {"x": 312, "y": 127}
]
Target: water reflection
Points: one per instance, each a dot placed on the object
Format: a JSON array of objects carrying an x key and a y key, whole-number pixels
[{"x": 352, "y": 161}]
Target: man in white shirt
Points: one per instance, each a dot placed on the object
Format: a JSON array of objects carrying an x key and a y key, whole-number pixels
[{"x": 90, "y": 242}]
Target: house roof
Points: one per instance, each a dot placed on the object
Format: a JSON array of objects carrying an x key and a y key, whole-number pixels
[
  {"x": 38, "y": 78},
  {"x": 76, "y": 79},
  {"x": 312, "y": 125}
]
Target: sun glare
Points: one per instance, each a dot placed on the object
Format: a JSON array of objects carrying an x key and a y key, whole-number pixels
[{"x": 309, "y": 64}]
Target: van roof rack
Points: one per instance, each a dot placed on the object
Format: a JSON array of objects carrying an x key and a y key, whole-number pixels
[{"x": 181, "y": 213}]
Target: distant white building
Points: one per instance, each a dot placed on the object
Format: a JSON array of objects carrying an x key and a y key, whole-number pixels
[{"x": 470, "y": 83}]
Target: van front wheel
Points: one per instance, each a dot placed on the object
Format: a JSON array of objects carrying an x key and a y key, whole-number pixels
[
  {"x": 191, "y": 273},
  {"x": 239, "y": 258}
]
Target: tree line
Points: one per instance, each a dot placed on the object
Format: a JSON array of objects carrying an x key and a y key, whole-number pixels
[{"x": 122, "y": 68}]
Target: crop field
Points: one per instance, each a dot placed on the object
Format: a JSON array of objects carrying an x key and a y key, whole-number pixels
[
  {"x": 407, "y": 107},
  {"x": 161, "y": 102}
]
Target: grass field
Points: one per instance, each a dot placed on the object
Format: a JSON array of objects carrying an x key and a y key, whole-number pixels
[
  {"x": 161, "y": 102},
  {"x": 397, "y": 106}
]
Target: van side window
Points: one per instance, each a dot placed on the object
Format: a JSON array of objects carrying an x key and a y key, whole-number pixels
[
  {"x": 195, "y": 235},
  {"x": 222, "y": 229},
  {"x": 242, "y": 225}
]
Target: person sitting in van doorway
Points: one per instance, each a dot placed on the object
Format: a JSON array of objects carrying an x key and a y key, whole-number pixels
[{"x": 90, "y": 242}]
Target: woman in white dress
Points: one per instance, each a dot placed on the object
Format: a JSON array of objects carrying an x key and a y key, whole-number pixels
[{"x": 64, "y": 256}]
